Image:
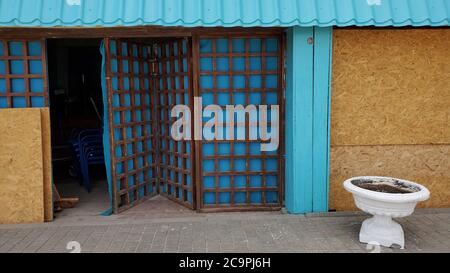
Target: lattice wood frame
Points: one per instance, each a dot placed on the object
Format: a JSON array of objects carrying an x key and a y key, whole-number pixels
[
  {"x": 201, "y": 190},
  {"x": 175, "y": 158},
  {"x": 131, "y": 122},
  {"x": 8, "y": 76}
]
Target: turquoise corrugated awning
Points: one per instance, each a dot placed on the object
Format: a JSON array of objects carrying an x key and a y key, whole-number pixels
[{"x": 227, "y": 13}]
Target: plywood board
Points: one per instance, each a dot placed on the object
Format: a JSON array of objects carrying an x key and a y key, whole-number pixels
[
  {"x": 21, "y": 166},
  {"x": 390, "y": 87},
  {"x": 427, "y": 164},
  {"x": 47, "y": 164}
]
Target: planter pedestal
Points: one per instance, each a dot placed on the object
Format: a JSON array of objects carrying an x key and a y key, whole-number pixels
[{"x": 382, "y": 230}]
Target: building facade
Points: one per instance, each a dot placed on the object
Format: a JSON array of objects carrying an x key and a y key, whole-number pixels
[{"x": 362, "y": 86}]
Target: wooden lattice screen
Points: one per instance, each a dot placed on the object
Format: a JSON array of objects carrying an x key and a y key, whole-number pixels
[
  {"x": 173, "y": 87},
  {"x": 144, "y": 82},
  {"x": 240, "y": 70},
  {"x": 23, "y": 74},
  {"x": 132, "y": 122}
]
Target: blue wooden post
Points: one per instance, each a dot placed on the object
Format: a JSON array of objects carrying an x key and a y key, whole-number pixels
[
  {"x": 321, "y": 112},
  {"x": 307, "y": 119},
  {"x": 299, "y": 120}
]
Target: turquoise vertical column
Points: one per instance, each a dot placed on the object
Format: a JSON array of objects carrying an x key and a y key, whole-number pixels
[
  {"x": 321, "y": 113},
  {"x": 299, "y": 120},
  {"x": 307, "y": 119}
]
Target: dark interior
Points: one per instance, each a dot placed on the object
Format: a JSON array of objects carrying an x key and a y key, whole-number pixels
[
  {"x": 76, "y": 104},
  {"x": 74, "y": 68}
]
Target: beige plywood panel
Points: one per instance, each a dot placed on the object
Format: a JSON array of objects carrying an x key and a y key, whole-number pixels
[
  {"x": 21, "y": 166},
  {"x": 390, "y": 87},
  {"x": 427, "y": 164},
  {"x": 47, "y": 164}
]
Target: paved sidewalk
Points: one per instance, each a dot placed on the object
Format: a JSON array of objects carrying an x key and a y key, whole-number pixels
[{"x": 426, "y": 231}]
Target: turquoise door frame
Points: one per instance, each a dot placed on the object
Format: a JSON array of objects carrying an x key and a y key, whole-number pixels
[{"x": 308, "y": 92}]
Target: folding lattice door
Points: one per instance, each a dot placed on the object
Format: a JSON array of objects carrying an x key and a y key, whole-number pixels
[
  {"x": 174, "y": 87},
  {"x": 145, "y": 82},
  {"x": 240, "y": 70},
  {"x": 130, "y": 101},
  {"x": 23, "y": 74}
]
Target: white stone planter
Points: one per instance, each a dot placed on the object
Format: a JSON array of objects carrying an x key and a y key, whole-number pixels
[{"x": 384, "y": 206}]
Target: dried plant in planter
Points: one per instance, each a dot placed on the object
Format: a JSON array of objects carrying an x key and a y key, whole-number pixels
[{"x": 385, "y": 185}]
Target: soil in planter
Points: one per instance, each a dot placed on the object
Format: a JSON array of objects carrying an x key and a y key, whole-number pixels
[{"x": 385, "y": 185}]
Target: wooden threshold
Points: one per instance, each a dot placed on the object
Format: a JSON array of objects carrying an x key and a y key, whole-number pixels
[{"x": 243, "y": 208}]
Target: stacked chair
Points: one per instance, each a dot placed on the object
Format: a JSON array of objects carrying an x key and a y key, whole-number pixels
[{"x": 88, "y": 150}]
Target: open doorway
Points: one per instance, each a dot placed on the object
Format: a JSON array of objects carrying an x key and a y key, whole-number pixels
[
  {"x": 76, "y": 109},
  {"x": 126, "y": 91}
]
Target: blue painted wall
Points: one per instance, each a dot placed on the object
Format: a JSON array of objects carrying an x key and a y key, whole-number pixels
[{"x": 307, "y": 119}]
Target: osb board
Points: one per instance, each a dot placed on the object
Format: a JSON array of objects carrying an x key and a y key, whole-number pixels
[
  {"x": 427, "y": 164},
  {"x": 390, "y": 87},
  {"x": 21, "y": 166},
  {"x": 47, "y": 164}
]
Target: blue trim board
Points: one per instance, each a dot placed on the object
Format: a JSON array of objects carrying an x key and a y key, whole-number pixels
[
  {"x": 307, "y": 119},
  {"x": 321, "y": 112},
  {"x": 299, "y": 101}
]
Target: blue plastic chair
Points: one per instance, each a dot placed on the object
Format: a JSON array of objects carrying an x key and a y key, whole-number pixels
[
  {"x": 91, "y": 153},
  {"x": 88, "y": 150}
]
